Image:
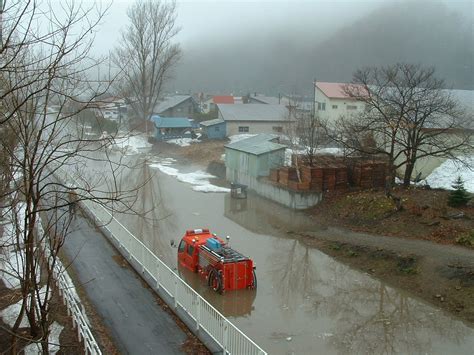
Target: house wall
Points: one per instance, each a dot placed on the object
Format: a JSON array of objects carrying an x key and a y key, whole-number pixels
[
  {"x": 217, "y": 131},
  {"x": 186, "y": 108},
  {"x": 255, "y": 127},
  {"x": 426, "y": 165},
  {"x": 207, "y": 106},
  {"x": 331, "y": 109}
]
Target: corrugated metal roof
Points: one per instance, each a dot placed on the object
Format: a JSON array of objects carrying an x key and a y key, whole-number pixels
[
  {"x": 257, "y": 145},
  {"x": 269, "y": 100},
  {"x": 171, "y": 122},
  {"x": 249, "y": 112},
  {"x": 169, "y": 102},
  {"x": 211, "y": 122}
]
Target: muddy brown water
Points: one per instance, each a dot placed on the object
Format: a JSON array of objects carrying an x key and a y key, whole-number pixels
[{"x": 306, "y": 302}]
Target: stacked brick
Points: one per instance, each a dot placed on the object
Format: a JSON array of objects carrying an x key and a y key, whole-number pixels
[
  {"x": 367, "y": 175},
  {"x": 331, "y": 173}
]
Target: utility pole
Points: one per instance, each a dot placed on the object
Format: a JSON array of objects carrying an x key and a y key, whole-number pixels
[{"x": 314, "y": 98}]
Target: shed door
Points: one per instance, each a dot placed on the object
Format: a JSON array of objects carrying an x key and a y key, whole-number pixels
[{"x": 244, "y": 163}]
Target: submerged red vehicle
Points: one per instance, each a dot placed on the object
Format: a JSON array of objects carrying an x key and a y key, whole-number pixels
[{"x": 224, "y": 268}]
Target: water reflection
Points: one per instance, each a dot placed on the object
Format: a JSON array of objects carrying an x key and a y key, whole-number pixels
[
  {"x": 364, "y": 315},
  {"x": 237, "y": 303},
  {"x": 367, "y": 315},
  {"x": 258, "y": 215}
]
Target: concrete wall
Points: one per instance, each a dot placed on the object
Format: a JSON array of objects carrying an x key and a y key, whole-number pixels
[
  {"x": 255, "y": 127},
  {"x": 289, "y": 198}
]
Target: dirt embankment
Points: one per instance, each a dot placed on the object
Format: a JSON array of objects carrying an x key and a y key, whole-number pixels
[{"x": 426, "y": 249}]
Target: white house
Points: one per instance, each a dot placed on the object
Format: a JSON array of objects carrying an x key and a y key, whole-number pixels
[
  {"x": 111, "y": 108},
  {"x": 331, "y": 102},
  {"x": 254, "y": 119}
]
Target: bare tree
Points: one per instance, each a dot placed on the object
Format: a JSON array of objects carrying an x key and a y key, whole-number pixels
[
  {"x": 146, "y": 54},
  {"x": 45, "y": 70},
  {"x": 306, "y": 131},
  {"x": 408, "y": 116}
]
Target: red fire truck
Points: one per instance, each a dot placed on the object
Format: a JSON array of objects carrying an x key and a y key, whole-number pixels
[{"x": 223, "y": 268}]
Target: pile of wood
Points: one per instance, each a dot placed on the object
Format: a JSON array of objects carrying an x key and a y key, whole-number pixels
[
  {"x": 331, "y": 173},
  {"x": 368, "y": 174}
]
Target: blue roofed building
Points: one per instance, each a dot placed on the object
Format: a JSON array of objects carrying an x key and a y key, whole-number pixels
[
  {"x": 171, "y": 127},
  {"x": 214, "y": 129}
]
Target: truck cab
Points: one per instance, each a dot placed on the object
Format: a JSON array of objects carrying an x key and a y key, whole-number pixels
[{"x": 224, "y": 268}]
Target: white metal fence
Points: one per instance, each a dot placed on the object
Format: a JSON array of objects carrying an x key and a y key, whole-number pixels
[
  {"x": 71, "y": 300},
  {"x": 231, "y": 339}
]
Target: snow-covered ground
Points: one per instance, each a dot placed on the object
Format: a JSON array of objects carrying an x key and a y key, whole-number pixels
[
  {"x": 199, "y": 179},
  {"x": 11, "y": 260},
  {"x": 132, "y": 144},
  {"x": 11, "y": 266},
  {"x": 183, "y": 142},
  {"x": 445, "y": 174}
]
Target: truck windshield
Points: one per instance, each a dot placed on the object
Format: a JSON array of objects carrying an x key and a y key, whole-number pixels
[
  {"x": 181, "y": 246},
  {"x": 190, "y": 250}
]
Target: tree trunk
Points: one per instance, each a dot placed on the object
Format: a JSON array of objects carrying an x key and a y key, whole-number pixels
[{"x": 408, "y": 173}]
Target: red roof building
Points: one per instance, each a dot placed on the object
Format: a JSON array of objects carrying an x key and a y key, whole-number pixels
[{"x": 224, "y": 99}]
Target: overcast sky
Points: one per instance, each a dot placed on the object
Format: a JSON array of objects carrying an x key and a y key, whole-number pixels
[
  {"x": 210, "y": 28},
  {"x": 206, "y": 20}
]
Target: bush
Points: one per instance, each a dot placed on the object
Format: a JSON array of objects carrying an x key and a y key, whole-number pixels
[
  {"x": 459, "y": 196},
  {"x": 466, "y": 239}
]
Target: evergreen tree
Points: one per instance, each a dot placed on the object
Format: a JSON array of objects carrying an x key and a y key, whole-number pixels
[{"x": 459, "y": 196}]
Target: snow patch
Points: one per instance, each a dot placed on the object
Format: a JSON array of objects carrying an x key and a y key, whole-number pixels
[
  {"x": 11, "y": 259},
  {"x": 10, "y": 314},
  {"x": 200, "y": 179},
  {"x": 183, "y": 142},
  {"x": 445, "y": 174},
  {"x": 130, "y": 145},
  {"x": 319, "y": 151},
  {"x": 55, "y": 330}
]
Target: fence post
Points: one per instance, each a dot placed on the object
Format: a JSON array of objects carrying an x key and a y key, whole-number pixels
[
  {"x": 158, "y": 275},
  {"x": 226, "y": 336},
  {"x": 175, "y": 293},
  {"x": 198, "y": 311}
]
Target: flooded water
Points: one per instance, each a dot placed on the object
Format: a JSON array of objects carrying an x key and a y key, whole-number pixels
[{"x": 306, "y": 302}]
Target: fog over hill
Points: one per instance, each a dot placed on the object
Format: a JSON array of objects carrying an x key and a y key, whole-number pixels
[{"x": 287, "y": 59}]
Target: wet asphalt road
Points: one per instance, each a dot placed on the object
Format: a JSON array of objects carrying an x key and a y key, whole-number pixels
[{"x": 136, "y": 323}]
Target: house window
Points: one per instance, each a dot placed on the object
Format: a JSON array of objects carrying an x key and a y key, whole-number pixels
[
  {"x": 321, "y": 106},
  {"x": 243, "y": 129},
  {"x": 334, "y": 107},
  {"x": 277, "y": 129},
  {"x": 217, "y": 129},
  {"x": 351, "y": 107}
]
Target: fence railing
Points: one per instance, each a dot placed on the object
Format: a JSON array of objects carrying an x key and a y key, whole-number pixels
[
  {"x": 205, "y": 317},
  {"x": 71, "y": 300}
]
